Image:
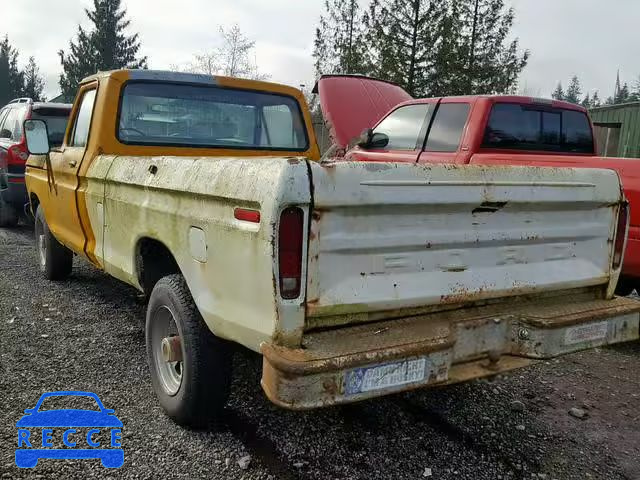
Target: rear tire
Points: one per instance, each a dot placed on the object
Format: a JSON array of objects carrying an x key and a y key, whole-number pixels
[
  {"x": 54, "y": 259},
  {"x": 8, "y": 215},
  {"x": 194, "y": 391}
]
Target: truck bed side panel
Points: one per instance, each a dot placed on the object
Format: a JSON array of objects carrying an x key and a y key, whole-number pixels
[{"x": 188, "y": 205}]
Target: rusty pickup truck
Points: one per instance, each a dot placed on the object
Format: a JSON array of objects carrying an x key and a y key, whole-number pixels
[{"x": 352, "y": 279}]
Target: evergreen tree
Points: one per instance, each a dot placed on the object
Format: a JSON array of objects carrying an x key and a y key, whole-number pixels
[
  {"x": 105, "y": 47},
  {"x": 574, "y": 91},
  {"x": 33, "y": 82},
  {"x": 586, "y": 101},
  {"x": 558, "y": 93},
  {"x": 11, "y": 78},
  {"x": 616, "y": 89},
  {"x": 404, "y": 34},
  {"x": 634, "y": 96},
  {"x": 486, "y": 61},
  {"x": 622, "y": 95},
  {"x": 595, "y": 101},
  {"x": 340, "y": 45}
]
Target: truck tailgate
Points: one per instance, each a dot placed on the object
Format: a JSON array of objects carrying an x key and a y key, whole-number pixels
[{"x": 387, "y": 238}]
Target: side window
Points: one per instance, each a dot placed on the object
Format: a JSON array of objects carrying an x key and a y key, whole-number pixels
[
  {"x": 21, "y": 113},
  {"x": 403, "y": 126},
  {"x": 83, "y": 120},
  {"x": 446, "y": 131}
]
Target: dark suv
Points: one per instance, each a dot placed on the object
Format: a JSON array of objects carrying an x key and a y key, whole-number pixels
[{"x": 13, "y": 150}]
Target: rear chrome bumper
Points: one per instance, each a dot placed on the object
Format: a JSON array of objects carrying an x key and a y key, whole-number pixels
[{"x": 349, "y": 364}]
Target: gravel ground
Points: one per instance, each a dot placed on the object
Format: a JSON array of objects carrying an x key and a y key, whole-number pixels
[{"x": 85, "y": 334}]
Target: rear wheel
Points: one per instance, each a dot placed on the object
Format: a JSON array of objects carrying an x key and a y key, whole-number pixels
[
  {"x": 54, "y": 259},
  {"x": 8, "y": 215},
  {"x": 190, "y": 367}
]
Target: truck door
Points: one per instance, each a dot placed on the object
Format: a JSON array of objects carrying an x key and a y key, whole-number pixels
[{"x": 61, "y": 211}]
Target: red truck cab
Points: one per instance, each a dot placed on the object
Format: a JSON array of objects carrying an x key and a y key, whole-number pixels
[{"x": 483, "y": 129}]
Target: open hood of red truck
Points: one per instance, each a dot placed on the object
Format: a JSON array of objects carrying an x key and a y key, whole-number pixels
[{"x": 351, "y": 103}]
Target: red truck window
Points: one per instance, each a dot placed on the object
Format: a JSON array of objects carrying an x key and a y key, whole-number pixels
[
  {"x": 403, "y": 126},
  {"x": 446, "y": 131},
  {"x": 540, "y": 128}
]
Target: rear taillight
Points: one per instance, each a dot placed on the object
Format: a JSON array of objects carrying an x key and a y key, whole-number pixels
[
  {"x": 290, "y": 234},
  {"x": 621, "y": 235},
  {"x": 18, "y": 154}
]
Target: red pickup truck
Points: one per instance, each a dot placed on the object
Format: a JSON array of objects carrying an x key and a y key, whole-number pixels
[{"x": 480, "y": 129}]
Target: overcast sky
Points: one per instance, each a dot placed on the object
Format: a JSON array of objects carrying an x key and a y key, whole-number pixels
[{"x": 589, "y": 38}]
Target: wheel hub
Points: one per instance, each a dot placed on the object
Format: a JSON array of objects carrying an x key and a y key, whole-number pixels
[
  {"x": 166, "y": 344},
  {"x": 42, "y": 249}
]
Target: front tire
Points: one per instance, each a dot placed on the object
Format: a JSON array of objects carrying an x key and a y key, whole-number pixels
[
  {"x": 194, "y": 390},
  {"x": 54, "y": 259}
]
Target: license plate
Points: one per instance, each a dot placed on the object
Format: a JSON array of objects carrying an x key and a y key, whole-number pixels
[
  {"x": 586, "y": 333},
  {"x": 389, "y": 375}
]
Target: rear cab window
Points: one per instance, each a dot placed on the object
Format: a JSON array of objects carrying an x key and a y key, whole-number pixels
[
  {"x": 159, "y": 113},
  {"x": 534, "y": 127}
]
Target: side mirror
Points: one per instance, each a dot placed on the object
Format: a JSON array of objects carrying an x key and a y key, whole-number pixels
[
  {"x": 29, "y": 411},
  {"x": 4, "y": 133},
  {"x": 37, "y": 137},
  {"x": 368, "y": 139}
]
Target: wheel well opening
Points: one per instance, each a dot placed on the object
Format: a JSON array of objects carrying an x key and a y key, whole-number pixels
[
  {"x": 153, "y": 261},
  {"x": 34, "y": 201}
]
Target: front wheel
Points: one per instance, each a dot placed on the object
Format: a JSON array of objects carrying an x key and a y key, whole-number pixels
[
  {"x": 190, "y": 367},
  {"x": 54, "y": 259}
]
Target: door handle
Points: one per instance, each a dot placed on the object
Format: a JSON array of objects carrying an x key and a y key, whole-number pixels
[{"x": 72, "y": 163}]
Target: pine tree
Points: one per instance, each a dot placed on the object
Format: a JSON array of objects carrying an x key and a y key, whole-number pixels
[
  {"x": 11, "y": 78},
  {"x": 404, "y": 33},
  {"x": 595, "y": 101},
  {"x": 622, "y": 95},
  {"x": 634, "y": 96},
  {"x": 33, "y": 82},
  {"x": 339, "y": 45},
  {"x": 586, "y": 101},
  {"x": 105, "y": 47},
  {"x": 487, "y": 61},
  {"x": 558, "y": 93},
  {"x": 574, "y": 91},
  {"x": 616, "y": 89}
]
